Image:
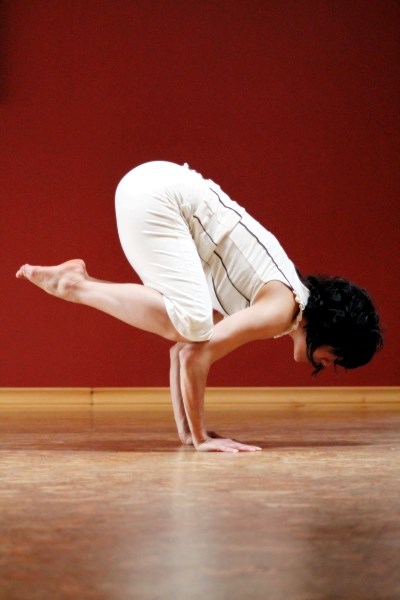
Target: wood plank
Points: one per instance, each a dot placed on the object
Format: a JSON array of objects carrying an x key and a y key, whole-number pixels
[
  {"x": 111, "y": 506},
  {"x": 219, "y": 396},
  {"x": 45, "y": 396}
]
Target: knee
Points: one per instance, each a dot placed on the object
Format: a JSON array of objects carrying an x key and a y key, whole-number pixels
[
  {"x": 188, "y": 353},
  {"x": 175, "y": 350},
  {"x": 199, "y": 328},
  {"x": 195, "y": 360},
  {"x": 190, "y": 323}
]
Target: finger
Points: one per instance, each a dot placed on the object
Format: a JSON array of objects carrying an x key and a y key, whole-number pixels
[
  {"x": 237, "y": 447},
  {"x": 246, "y": 448},
  {"x": 224, "y": 448},
  {"x": 205, "y": 448},
  {"x": 246, "y": 445}
]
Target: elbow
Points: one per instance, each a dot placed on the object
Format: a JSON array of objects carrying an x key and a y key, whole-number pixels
[
  {"x": 187, "y": 354},
  {"x": 174, "y": 351},
  {"x": 193, "y": 358}
]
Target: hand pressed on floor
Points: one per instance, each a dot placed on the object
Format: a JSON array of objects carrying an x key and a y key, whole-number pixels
[{"x": 225, "y": 445}]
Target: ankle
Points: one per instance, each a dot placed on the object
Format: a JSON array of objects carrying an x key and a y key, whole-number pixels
[{"x": 70, "y": 288}]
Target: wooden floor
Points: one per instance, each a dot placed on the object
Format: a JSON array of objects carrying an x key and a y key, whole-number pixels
[{"x": 108, "y": 506}]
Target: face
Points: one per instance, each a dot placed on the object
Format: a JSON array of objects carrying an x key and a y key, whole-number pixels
[{"x": 322, "y": 355}]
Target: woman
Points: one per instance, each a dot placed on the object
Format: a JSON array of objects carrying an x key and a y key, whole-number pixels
[{"x": 214, "y": 279}]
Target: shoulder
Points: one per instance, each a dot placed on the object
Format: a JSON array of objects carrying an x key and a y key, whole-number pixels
[
  {"x": 275, "y": 308},
  {"x": 271, "y": 313}
]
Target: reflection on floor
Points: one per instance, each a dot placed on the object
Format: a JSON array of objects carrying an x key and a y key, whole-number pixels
[{"x": 109, "y": 506}]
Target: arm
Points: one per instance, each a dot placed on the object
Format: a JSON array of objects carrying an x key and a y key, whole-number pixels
[
  {"x": 270, "y": 314},
  {"x": 181, "y": 421}
]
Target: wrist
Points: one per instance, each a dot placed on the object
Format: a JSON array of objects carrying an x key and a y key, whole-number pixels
[
  {"x": 198, "y": 441},
  {"x": 183, "y": 429},
  {"x": 186, "y": 438}
]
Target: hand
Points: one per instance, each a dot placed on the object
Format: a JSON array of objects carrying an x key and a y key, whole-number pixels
[
  {"x": 187, "y": 440},
  {"x": 225, "y": 445}
]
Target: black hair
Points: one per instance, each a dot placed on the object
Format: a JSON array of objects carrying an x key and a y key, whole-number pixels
[{"x": 341, "y": 315}]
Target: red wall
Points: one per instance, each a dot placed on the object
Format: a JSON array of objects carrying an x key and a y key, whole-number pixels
[{"x": 291, "y": 106}]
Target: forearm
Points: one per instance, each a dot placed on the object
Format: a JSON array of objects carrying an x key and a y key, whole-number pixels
[
  {"x": 194, "y": 369},
  {"x": 181, "y": 421},
  {"x": 195, "y": 360}
]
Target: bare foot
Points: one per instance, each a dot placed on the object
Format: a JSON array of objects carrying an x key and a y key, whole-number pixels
[{"x": 60, "y": 281}]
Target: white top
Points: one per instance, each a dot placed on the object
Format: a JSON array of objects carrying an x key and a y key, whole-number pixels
[{"x": 238, "y": 254}]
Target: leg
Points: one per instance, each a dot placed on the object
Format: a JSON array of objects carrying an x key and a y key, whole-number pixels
[
  {"x": 174, "y": 301},
  {"x": 136, "y": 305}
]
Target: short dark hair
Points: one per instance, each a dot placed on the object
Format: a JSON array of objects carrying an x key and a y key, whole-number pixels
[{"x": 341, "y": 315}]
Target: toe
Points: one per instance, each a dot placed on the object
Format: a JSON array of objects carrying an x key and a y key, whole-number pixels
[
  {"x": 25, "y": 272},
  {"x": 20, "y": 274}
]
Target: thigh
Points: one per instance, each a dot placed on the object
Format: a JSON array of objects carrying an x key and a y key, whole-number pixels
[{"x": 157, "y": 242}]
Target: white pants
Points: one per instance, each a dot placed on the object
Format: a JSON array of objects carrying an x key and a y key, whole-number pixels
[{"x": 151, "y": 201}]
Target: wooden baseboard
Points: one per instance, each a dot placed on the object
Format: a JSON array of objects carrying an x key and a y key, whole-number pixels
[{"x": 109, "y": 398}]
